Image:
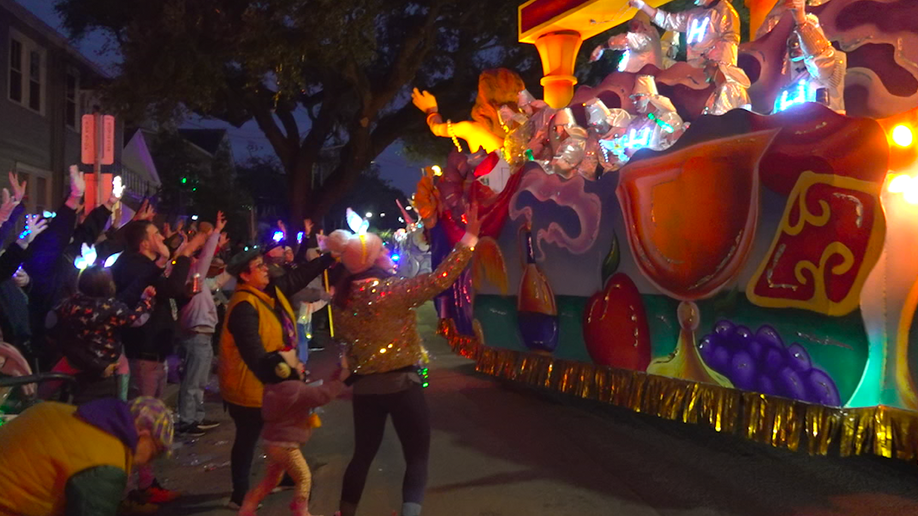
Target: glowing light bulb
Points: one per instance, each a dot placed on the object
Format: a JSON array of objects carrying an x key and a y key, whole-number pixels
[
  {"x": 899, "y": 184},
  {"x": 911, "y": 195},
  {"x": 902, "y": 135},
  {"x": 437, "y": 170},
  {"x": 278, "y": 236}
]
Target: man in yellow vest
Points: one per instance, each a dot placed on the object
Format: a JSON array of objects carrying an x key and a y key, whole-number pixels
[
  {"x": 58, "y": 459},
  {"x": 259, "y": 320}
]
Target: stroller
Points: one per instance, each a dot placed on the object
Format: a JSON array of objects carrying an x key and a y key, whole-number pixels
[{"x": 18, "y": 385}]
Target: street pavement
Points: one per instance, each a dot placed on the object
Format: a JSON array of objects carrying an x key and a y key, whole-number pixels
[{"x": 504, "y": 450}]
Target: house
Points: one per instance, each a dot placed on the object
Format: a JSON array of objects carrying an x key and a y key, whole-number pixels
[{"x": 47, "y": 86}]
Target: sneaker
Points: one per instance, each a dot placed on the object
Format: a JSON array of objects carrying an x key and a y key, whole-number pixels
[
  {"x": 190, "y": 429},
  {"x": 286, "y": 484},
  {"x": 157, "y": 494},
  {"x": 208, "y": 424}
]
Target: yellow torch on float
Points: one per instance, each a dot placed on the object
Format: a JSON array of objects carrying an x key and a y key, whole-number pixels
[{"x": 558, "y": 27}]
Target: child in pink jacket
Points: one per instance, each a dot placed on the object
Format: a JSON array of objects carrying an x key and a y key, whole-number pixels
[{"x": 287, "y": 410}]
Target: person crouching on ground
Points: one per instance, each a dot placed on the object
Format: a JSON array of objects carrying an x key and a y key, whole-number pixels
[
  {"x": 287, "y": 410},
  {"x": 58, "y": 459}
]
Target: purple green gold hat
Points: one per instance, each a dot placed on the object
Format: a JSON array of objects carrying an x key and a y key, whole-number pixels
[{"x": 151, "y": 414}]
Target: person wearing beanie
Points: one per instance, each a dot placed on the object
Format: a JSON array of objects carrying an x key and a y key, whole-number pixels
[
  {"x": 58, "y": 459},
  {"x": 287, "y": 410},
  {"x": 373, "y": 314},
  {"x": 259, "y": 320}
]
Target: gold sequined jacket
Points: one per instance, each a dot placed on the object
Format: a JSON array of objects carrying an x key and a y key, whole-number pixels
[{"x": 378, "y": 322}]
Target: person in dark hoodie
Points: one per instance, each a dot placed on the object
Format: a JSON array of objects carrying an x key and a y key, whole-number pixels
[
  {"x": 50, "y": 261},
  {"x": 58, "y": 459},
  {"x": 287, "y": 409},
  {"x": 148, "y": 344}
]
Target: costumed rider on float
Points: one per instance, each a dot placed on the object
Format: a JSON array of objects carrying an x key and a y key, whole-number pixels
[
  {"x": 712, "y": 30},
  {"x": 641, "y": 46},
  {"x": 730, "y": 84},
  {"x": 777, "y": 12},
  {"x": 814, "y": 70},
  {"x": 657, "y": 125},
  {"x": 606, "y": 128},
  {"x": 568, "y": 145}
]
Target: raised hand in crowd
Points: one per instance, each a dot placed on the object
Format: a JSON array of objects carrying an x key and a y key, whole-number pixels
[
  {"x": 117, "y": 192},
  {"x": 145, "y": 212},
  {"x": 192, "y": 244},
  {"x": 473, "y": 224},
  {"x": 9, "y": 202},
  {"x": 308, "y": 226},
  {"x": 221, "y": 223},
  {"x": 77, "y": 188},
  {"x": 34, "y": 227},
  {"x": 283, "y": 228},
  {"x": 224, "y": 240}
]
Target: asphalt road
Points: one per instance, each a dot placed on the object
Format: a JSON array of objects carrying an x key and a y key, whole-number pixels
[{"x": 502, "y": 450}]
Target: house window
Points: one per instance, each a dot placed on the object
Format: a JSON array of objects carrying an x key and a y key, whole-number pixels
[
  {"x": 35, "y": 80},
  {"x": 73, "y": 107},
  {"x": 41, "y": 194},
  {"x": 39, "y": 198},
  {"x": 15, "y": 70},
  {"x": 27, "y": 72}
]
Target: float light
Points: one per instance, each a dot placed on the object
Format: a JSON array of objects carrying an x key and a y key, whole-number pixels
[{"x": 902, "y": 135}]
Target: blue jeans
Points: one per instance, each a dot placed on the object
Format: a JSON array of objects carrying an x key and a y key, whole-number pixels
[{"x": 199, "y": 356}]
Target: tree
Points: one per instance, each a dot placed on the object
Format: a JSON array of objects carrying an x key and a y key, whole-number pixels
[
  {"x": 194, "y": 184},
  {"x": 313, "y": 74},
  {"x": 371, "y": 194}
]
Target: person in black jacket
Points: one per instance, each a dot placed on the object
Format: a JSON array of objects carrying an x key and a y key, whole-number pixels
[
  {"x": 50, "y": 262},
  {"x": 147, "y": 344}
]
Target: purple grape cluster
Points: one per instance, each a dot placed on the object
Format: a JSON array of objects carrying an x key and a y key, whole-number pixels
[{"x": 760, "y": 362}]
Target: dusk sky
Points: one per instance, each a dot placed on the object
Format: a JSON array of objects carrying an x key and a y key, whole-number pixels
[{"x": 248, "y": 139}]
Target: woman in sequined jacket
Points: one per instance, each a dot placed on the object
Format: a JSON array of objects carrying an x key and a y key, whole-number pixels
[{"x": 373, "y": 314}]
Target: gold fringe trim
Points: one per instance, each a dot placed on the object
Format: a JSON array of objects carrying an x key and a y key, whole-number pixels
[{"x": 784, "y": 423}]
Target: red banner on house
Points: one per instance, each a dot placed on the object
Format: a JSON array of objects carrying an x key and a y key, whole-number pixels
[{"x": 88, "y": 139}]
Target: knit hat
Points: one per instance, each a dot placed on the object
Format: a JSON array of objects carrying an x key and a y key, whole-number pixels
[
  {"x": 357, "y": 252},
  {"x": 151, "y": 414}
]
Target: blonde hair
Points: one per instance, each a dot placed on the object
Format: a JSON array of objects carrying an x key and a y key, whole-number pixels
[{"x": 496, "y": 87}]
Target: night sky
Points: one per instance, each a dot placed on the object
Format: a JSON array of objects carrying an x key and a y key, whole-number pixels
[{"x": 248, "y": 139}]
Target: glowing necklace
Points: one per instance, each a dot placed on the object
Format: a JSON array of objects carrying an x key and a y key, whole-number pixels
[{"x": 666, "y": 126}]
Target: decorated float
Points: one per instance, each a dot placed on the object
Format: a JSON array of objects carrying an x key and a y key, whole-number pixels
[{"x": 715, "y": 241}]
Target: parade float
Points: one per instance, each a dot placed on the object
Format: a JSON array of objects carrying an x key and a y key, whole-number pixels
[{"x": 754, "y": 269}]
